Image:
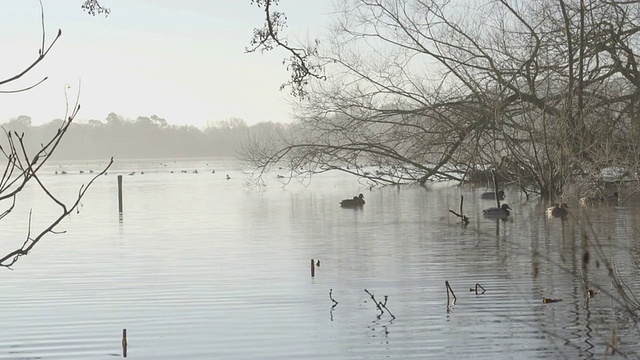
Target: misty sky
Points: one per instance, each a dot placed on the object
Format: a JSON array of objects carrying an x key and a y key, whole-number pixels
[{"x": 182, "y": 60}]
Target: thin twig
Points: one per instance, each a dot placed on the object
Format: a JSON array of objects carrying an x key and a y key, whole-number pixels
[
  {"x": 378, "y": 305},
  {"x": 384, "y": 305},
  {"x": 478, "y": 286},
  {"x": 332, "y": 299}
]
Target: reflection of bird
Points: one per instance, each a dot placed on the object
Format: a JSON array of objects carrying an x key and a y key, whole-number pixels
[
  {"x": 492, "y": 195},
  {"x": 558, "y": 210},
  {"x": 501, "y": 212},
  {"x": 357, "y": 201}
]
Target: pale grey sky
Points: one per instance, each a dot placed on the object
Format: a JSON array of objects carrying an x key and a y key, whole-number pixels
[{"x": 182, "y": 60}]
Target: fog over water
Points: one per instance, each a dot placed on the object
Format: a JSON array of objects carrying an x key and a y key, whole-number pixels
[
  {"x": 143, "y": 137},
  {"x": 202, "y": 267}
]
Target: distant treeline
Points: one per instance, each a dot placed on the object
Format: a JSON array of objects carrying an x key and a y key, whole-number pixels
[{"x": 144, "y": 137}]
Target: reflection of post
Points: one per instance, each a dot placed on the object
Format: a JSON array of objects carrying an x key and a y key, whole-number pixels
[
  {"x": 124, "y": 342},
  {"x": 120, "y": 193},
  {"x": 495, "y": 186}
]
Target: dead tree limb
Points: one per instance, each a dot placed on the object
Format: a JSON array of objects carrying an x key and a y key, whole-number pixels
[{"x": 23, "y": 163}]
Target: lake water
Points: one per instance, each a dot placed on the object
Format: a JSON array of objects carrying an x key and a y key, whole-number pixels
[{"x": 200, "y": 267}]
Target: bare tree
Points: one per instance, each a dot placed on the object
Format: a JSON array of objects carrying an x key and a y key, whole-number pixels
[
  {"x": 544, "y": 91},
  {"x": 24, "y": 164}
]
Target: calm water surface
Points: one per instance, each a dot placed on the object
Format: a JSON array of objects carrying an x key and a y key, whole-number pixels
[{"x": 201, "y": 267}]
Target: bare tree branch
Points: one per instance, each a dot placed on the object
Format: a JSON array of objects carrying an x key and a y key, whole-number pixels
[
  {"x": 301, "y": 63},
  {"x": 22, "y": 167}
]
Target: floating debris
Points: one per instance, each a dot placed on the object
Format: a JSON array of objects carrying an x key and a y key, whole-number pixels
[{"x": 549, "y": 301}]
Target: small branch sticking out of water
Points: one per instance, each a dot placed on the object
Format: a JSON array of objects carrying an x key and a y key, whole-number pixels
[
  {"x": 449, "y": 295},
  {"x": 478, "y": 286},
  {"x": 332, "y": 299},
  {"x": 465, "y": 219},
  {"x": 384, "y": 305},
  {"x": 380, "y": 305},
  {"x": 375, "y": 302},
  {"x": 613, "y": 344}
]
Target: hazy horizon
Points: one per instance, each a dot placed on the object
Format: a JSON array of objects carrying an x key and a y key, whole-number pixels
[
  {"x": 145, "y": 137},
  {"x": 183, "y": 61}
]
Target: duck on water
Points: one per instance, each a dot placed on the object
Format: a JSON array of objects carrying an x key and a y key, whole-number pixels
[
  {"x": 558, "y": 210},
  {"x": 356, "y": 202},
  {"x": 497, "y": 212},
  {"x": 492, "y": 195}
]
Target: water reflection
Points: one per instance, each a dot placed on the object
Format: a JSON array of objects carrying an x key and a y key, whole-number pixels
[{"x": 221, "y": 271}]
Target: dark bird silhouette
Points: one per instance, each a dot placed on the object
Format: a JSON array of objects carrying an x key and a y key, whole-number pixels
[
  {"x": 495, "y": 212},
  {"x": 492, "y": 195},
  {"x": 356, "y": 202},
  {"x": 558, "y": 210}
]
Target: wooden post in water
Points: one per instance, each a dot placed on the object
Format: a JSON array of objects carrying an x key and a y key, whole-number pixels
[
  {"x": 120, "y": 193},
  {"x": 124, "y": 342},
  {"x": 313, "y": 268}
]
